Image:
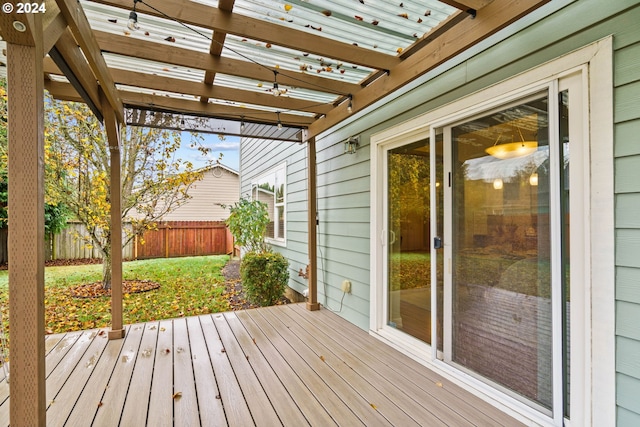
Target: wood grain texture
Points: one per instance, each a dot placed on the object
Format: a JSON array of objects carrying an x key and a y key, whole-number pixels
[{"x": 281, "y": 365}]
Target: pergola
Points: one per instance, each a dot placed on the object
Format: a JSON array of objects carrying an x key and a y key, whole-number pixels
[{"x": 267, "y": 69}]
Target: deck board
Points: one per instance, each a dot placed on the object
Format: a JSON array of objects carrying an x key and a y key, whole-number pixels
[
  {"x": 136, "y": 405},
  {"x": 440, "y": 389},
  {"x": 112, "y": 400},
  {"x": 271, "y": 366},
  {"x": 160, "y": 411},
  {"x": 211, "y": 410}
]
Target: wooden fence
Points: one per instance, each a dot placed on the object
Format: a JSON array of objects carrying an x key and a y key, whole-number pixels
[
  {"x": 184, "y": 238},
  {"x": 172, "y": 239}
]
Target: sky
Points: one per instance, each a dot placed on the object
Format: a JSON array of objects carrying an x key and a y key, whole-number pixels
[{"x": 229, "y": 147}]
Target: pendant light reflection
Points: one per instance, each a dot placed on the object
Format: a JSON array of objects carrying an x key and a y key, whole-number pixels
[
  {"x": 498, "y": 184},
  {"x": 533, "y": 179},
  {"x": 511, "y": 150}
]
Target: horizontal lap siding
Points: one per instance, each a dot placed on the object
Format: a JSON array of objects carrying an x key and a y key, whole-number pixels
[
  {"x": 343, "y": 185},
  {"x": 627, "y": 188},
  {"x": 260, "y": 156}
]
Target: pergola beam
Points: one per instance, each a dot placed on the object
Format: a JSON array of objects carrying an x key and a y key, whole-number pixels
[
  {"x": 196, "y": 89},
  {"x": 216, "y": 19},
  {"x": 68, "y": 55},
  {"x": 170, "y": 54},
  {"x": 53, "y": 28},
  {"x": 79, "y": 25},
  {"x": 148, "y": 101},
  {"x": 217, "y": 43},
  {"x": 207, "y": 91},
  {"x": 466, "y": 5},
  {"x": 447, "y": 45}
]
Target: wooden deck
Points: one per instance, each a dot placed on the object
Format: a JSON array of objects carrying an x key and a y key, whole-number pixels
[{"x": 273, "y": 366}]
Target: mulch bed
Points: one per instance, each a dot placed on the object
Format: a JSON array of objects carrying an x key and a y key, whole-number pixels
[
  {"x": 233, "y": 287},
  {"x": 95, "y": 290}
]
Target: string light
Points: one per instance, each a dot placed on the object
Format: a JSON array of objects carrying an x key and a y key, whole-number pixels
[
  {"x": 133, "y": 21},
  {"x": 279, "y": 122},
  {"x": 133, "y": 18},
  {"x": 242, "y": 124},
  {"x": 350, "y": 105}
]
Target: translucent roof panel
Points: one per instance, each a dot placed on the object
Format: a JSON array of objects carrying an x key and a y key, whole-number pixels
[{"x": 383, "y": 25}]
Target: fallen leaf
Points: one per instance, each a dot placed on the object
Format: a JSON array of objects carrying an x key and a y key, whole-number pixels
[
  {"x": 373, "y": 406},
  {"x": 439, "y": 384},
  {"x": 100, "y": 404},
  {"x": 326, "y": 12},
  {"x": 177, "y": 395},
  {"x": 223, "y": 351},
  {"x": 115, "y": 21},
  {"x": 170, "y": 39},
  {"x": 322, "y": 358},
  {"x": 218, "y": 396},
  {"x": 288, "y": 7}
]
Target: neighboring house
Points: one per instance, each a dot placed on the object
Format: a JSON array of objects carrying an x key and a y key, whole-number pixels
[
  {"x": 521, "y": 267},
  {"x": 209, "y": 197},
  {"x": 219, "y": 187}
]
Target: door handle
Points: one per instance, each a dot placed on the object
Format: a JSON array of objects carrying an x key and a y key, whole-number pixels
[{"x": 437, "y": 243}]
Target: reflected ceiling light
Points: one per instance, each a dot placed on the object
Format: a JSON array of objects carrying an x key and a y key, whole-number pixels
[
  {"x": 533, "y": 179},
  {"x": 498, "y": 184},
  {"x": 512, "y": 150}
]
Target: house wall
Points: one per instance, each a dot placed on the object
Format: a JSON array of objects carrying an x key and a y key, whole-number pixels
[
  {"x": 219, "y": 186},
  {"x": 343, "y": 180},
  {"x": 254, "y": 163}
]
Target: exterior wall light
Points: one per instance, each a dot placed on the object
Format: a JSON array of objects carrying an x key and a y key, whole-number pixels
[{"x": 351, "y": 145}]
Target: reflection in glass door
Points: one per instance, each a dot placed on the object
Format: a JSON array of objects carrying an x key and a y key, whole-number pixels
[
  {"x": 501, "y": 288},
  {"x": 408, "y": 257}
]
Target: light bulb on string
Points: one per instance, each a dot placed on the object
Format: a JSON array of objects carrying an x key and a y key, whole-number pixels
[
  {"x": 132, "y": 24},
  {"x": 279, "y": 122}
]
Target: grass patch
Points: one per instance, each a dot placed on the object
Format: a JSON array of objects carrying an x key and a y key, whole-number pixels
[{"x": 188, "y": 287}]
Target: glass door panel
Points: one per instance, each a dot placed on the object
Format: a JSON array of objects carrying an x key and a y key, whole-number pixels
[
  {"x": 501, "y": 323},
  {"x": 408, "y": 257}
]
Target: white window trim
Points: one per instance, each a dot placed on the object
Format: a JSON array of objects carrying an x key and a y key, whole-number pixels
[
  {"x": 598, "y": 323},
  {"x": 254, "y": 183}
]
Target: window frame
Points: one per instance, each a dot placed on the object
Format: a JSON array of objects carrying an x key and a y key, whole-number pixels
[{"x": 282, "y": 167}]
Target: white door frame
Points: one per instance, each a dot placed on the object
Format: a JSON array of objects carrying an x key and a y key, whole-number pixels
[{"x": 593, "y": 321}]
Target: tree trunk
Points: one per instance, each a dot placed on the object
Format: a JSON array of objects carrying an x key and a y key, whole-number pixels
[{"x": 106, "y": 270}]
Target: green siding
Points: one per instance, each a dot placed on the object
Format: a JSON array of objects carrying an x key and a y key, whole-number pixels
[
  {"x": 626, "y": 136},
  {"x": 628, "y": 356},
  {"x": 628, "y": 210},
  {"x": 628, "y": 393},
  {"x": 627, "y": 281},
  {"x": 627, "y": 418},
  {"x": 343, "y": 180}
]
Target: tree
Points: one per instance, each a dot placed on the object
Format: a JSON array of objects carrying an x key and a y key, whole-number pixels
[
  {"x": 154, "y": 180},
  {"x": 55, "y": 214}
]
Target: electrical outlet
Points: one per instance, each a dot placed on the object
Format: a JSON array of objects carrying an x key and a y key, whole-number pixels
[{"x": 346, "y": 286}]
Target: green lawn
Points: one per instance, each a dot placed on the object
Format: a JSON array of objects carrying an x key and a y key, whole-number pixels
[{"x": 188, "y": 287}]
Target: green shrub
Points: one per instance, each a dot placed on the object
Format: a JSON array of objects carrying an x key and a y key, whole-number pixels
[
  {"x": 247, "y": 222},
  {"x": 264, "y": 277}
]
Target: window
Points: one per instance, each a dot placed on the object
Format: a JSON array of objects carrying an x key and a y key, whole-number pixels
[{"x": 271, "y": 189}]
